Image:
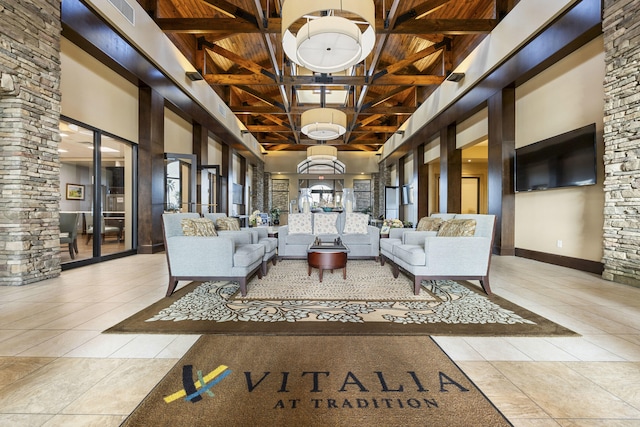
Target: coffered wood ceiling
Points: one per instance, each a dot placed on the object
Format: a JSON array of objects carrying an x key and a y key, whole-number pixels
[{"x": 236, "y": 46}]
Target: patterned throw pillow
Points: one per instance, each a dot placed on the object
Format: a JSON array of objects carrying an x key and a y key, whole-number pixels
[
  {"x": 325, "y": 223},
  {"x": 226, "y": 223},
  {"x": 458, "y": 228},
  {"x": 429, "y": 224},
  {"x": 198, "y": 227},
  {"x": 300, "y": 223},
  {"x": 356, "y": 223}
]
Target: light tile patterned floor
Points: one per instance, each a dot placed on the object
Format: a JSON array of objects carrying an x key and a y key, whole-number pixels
[{"x": 50, "y": 337}]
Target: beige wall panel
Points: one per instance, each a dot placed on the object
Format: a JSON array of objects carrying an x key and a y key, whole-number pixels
[
  {"x": 564, "y": 97},
  {"x": 97, "y": 96},
  {"x": 178, "y": 134}
]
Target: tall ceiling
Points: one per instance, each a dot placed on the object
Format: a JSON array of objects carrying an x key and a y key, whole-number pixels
[{"x": 236, "y": 45}]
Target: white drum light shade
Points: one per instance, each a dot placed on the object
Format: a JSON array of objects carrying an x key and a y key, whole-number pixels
[
  {"x": 322, "y": 152},
  {"x": 323, "y": 123},
  {"x": 328, "y": 44}
]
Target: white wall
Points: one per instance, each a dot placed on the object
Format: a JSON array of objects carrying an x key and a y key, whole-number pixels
[
  {"x": 95, "y": 95},
  {"x": 567, "y": 96}
]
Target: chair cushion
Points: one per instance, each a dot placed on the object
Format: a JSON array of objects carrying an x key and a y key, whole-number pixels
[
  {"x": 458, "y": 228},
  {"x": 269, "y": 243},
  {"x": 300, "y": 223},
  {"x": 356, "y": 239},
  {"x": 246, "y": 255},
  {"x": 388, "y": 244},
  {"x": 325, "y": 223},
  {"x": 411, "y": 254},
  {"x": 429, "y": 224},
  {"x": 356, "y": 223},
  {"x": 299, "y": 239},
  {"x": 198, "y": 227},
  {"x": 226, "y": 223}
]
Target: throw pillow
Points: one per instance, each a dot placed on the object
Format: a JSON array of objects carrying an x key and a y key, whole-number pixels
[
  {"x": 356, "y": 223},
  {"x": 226, "y": 223},
  {"x": 429, "y": 224},
  {"x": 458, "y": 228},
  {"x": 198, "y": 227},
  {"x": 300, "y": 223},
  {"x": 325, "y": 223}
]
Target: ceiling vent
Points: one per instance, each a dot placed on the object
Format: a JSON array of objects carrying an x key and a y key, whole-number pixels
[{"x": 125, "y": 8}]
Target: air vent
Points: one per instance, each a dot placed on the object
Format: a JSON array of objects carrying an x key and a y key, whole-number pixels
[{"x": 124, "y": 8}]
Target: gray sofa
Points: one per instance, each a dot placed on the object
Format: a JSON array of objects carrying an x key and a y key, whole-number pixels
[
  {"x": 360, "y": 245},
  {"x": 259, "y": 235},
  {"x": 427, "y": 256},
  {"x": 228, "y": 256}
]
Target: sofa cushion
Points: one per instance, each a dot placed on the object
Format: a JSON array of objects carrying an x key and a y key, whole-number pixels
[
  {"x": 387, "y": 245},
  {"x": 356, "y": 239},
  {"x": 411, "y": 254},
  {"x": 325, "y": 223},
  {"x": 300, "y": 223},
  {"x": 246, "y": 255},
  {"x": 269, "y": 243},
  {"x": 429, "y": 224},
  {"x": 198, "y": 227},
  {"x": 226, "y": 223},
  {"x": 458, "y": 228},
  {"x": 299, "y": 239},
  {"x": 356, "y": 223}
]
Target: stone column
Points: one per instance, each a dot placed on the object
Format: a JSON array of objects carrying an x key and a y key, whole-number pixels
[
  {"x": 29, "y": 139},
  {"x": 621, "y": 258},
  {"x": 258, "y": 188}
]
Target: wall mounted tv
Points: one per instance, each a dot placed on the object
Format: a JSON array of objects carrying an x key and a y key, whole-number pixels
[{"x": 565, "y": 160}]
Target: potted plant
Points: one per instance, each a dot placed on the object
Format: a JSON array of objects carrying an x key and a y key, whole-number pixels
[{"x": 275, "y": 216}]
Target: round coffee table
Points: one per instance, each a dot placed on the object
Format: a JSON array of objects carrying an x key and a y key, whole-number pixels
[{"x": 327, "y": 259}]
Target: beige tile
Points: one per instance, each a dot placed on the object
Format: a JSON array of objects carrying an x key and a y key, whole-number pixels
[
  {"x": 534, "y": 422},
  {"x": 13, "y": 369},
  {"x": 103, "y": 345},
  {"x": 85, "y": 421},
  {"x": 599, "y": 423},
  {"x": 539, "y": 349},
  {"x": 60, "y": 344},
  {"x": 136, "y": 376},
  {"x": 503, "y": 393},
  {"x": 457, "y": 348},
  {"x": 50, "y": 389},
  {"x": 25, "y": 340},
  {"x": 493, "y": 348},
  {"x": 24, "y": 420},
  {"x": 621, "y": 379},
  {"x": 144, "y": 346},
  {"x": 563, "y": 392},
  {"x": 584, "y": 350},
  {"x": 178, "y": 347},
  {"x": 619, "y": 346}
]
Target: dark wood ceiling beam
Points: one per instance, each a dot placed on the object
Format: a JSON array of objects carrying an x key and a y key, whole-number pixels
[
  {"x": 262, "y": 97},
  {"x": 237, "y": 59},
  {"x": 420, "y": 10},
  {"x": 417, "y": 26},
  {"x": 263, "y": 24},
  {"x": 384, "y": 97},
  {"x": 268, "y": 128},
  {"x": 231, "y": 9},
  {"x": 261, "y": 110},
  {"x": 308, "y": 81}
]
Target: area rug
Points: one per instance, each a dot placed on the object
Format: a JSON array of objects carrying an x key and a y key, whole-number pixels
[
  {"x": 314, "y": 381},
  {"x": 287, "y": 302}
]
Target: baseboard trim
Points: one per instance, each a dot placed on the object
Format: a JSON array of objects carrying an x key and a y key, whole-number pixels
[
  {"x": 564, "y": 261},
  {"x": 150, "y": 249}
]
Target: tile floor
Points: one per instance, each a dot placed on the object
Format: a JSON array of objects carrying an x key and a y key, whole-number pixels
[{"x": 57, "y": 369}]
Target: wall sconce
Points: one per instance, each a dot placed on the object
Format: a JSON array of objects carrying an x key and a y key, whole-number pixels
[
  {"x": 455, "y": 77},
  {"x": 194, "y": 76},
  {"x": 400, "y": 132},
  {"x": 244, "y": 131}
]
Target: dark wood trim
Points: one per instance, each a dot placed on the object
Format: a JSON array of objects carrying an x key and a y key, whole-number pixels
[
  {"x": 421, "y": 178},
  {"x": 502, "y": 136},
  {"x": 594, "y": 267},
  {"x": 450, "y": 171}
]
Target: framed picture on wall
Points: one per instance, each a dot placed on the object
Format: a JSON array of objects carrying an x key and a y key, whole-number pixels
[{"x": 75, "y": 192}]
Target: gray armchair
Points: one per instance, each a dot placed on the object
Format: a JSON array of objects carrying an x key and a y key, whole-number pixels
[
  {"x": 426, "y": 256},
  {"x": 69, "y": 231},
  {"x": 231, "y": 256}
]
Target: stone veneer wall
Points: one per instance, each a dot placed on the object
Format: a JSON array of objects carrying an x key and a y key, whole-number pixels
[
  {"x": 621, "y": 26},
  {"x": 257, "y": 189},
  {"x": 29, "y": 164}
]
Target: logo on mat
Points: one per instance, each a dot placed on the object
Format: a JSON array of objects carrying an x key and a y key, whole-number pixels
[{"x": 193, "y": 390}]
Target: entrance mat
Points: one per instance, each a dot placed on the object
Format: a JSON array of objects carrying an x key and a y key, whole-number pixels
[{"x": 314, "y": 381}]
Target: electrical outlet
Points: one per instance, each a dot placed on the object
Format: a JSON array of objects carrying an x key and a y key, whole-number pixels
[{"x": 559, "y": 243}]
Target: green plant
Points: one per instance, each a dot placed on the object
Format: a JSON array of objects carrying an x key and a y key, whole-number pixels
[{"x": 275, "y": 214}]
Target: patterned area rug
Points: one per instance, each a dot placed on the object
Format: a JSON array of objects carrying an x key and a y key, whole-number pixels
[{"x": 369, "y": 302}]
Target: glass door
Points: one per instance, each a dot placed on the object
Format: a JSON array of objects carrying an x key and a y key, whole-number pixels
[{"x": 180, "y": 182}]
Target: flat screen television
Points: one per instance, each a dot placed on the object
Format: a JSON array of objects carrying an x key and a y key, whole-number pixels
[{"x": 565, "y": 160}]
